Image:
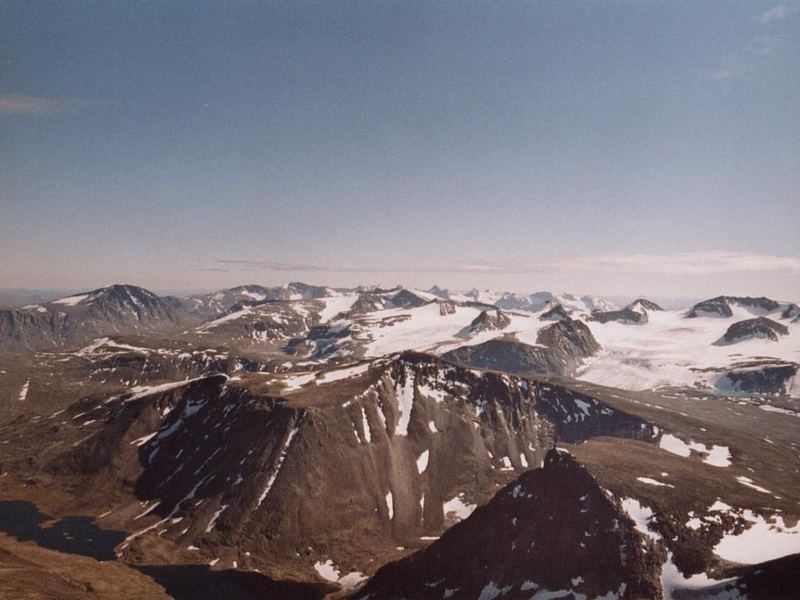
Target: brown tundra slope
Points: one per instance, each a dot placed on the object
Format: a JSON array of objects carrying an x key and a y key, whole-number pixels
[
  {"x": 344, "y": 467},
  {"x": 324, "y": 477}
]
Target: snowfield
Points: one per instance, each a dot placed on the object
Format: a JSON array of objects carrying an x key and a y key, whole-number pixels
[
  {"x": 669, "y": 350},
  {"x": 422, "y": 328},
  {"x": 672, "y": 350},
  {"x": 71, "y": 300},
  {"x": 761, "y": 542},
  {"x": 335, "y": 305}
]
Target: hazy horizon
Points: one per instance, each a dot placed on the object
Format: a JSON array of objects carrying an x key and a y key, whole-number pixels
[
  {"x": 29, "y": 296},
  {"x": 617, "y": 149},
  {"x": 701, "y": 275}
]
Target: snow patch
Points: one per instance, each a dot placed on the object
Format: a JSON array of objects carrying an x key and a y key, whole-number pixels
[
  {"x": 390, "y": 505},
  {"x": 641, "y": 516},
  {"x": 458, "y": 508},
  {"x": 214, "y": 518},
  {"x": 279, "y": 463},
  {"x": 225, "y": 318},
  {"x": 144, "y": 439},
  {"x": 335, "y": 305},
  {"x": 694, "y": 523},
  {"x": 365, "y": 424},
  {"x": 422, "y": 462},
  {"x": 655, "y": 482},
  {"x": 672, "y": 581},
  {"x": 491, "y": 591},
  {"x": 140, "y": 391},
  {"x": 295, "y": 383},
  {"x": 717, "y": 456},
  {"x": 776, "y": 409},
  {"x": 761, "y": 542},
  {"x": 746, "y": 481},
  {"x": 405, "y": 403},
  {"x": 327, "y": 571},
  {"x": 339, "y": 374},
  {"x": 71, "y": 300},
  {"x": 23, "y": 393}
]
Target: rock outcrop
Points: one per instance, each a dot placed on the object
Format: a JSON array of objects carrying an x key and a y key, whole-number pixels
[
  {"x": 721, "y": 306},
  {"x": 758, "y": 328},
  {"x": 625, "y": 315},
  {"x": 775, "y": 378},
  {"x": 643, "y": 304},
  {"x": 487, "y": 320},
  {"x": 557, "y": 312}
]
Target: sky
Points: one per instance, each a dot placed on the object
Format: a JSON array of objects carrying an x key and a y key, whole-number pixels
[{"x": 592, "y": 147}]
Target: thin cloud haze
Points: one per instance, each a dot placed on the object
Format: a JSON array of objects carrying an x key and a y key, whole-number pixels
[
  {"x": 734, "y": 72},
  {"x": 19, "y": 104},
  {"x": 43, "y": 105},
  {"x": 781, "y": 11},
  {"x": 689, "y": 263},
  {"x": 765, "y": 44}
]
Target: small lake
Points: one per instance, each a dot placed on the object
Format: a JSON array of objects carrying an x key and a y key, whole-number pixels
[
  {"x": 72, "y": 535},
  {"x": 191, "y": 582},
  {"x": 80, "y": 535}
]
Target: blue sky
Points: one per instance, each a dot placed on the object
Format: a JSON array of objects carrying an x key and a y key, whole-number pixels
[{"x": 611, "y": 148}]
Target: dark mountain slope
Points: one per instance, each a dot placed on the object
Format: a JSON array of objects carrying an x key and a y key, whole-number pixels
[
  {"x": 561, "y": 348},
  {"x": 343, "y": 467},
  {"x": 721, "y": 306},
  {"x": 552, "y": 529},
  {"x": 81, "y": 318},
  {"x": 759, "y": 327}
]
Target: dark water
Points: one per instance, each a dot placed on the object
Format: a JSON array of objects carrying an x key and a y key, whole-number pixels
[
  {"x": 80, "y": 535},
  {"x": 73, "y": 535},
  {"x": 192, "y": 582}
]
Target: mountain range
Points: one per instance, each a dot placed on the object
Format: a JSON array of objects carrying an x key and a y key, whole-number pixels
[{"x": 305, "y": 442}]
